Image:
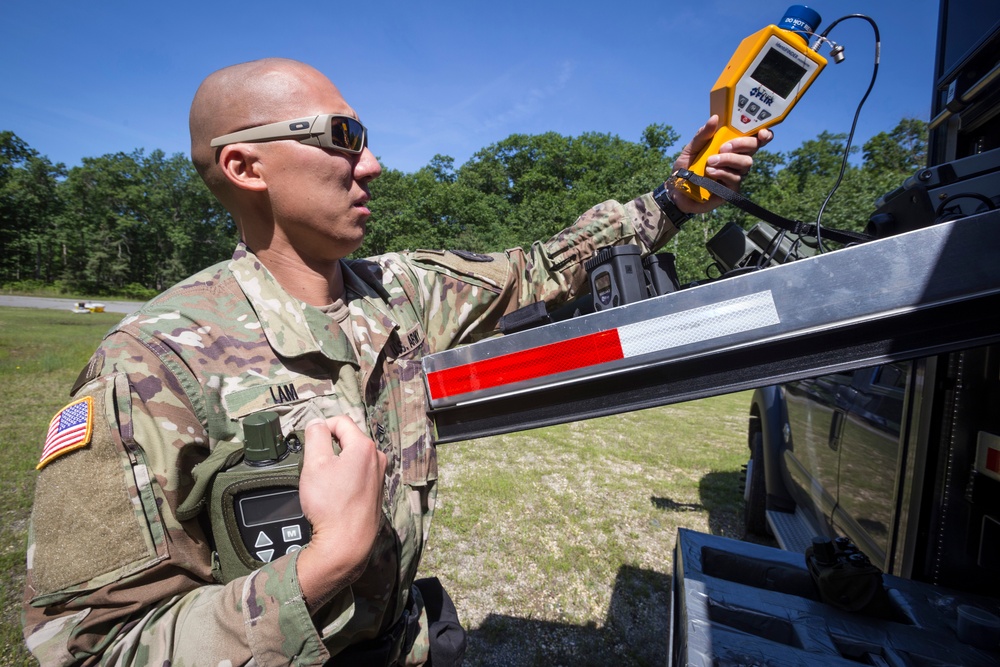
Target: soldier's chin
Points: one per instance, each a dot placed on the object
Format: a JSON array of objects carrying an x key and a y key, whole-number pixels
[{"x": 356, "y": 243}]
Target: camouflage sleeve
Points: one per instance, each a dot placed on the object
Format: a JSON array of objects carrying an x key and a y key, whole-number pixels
[
  {"x": 113, "y": 576},
  {"x": 463, "y": 295}
]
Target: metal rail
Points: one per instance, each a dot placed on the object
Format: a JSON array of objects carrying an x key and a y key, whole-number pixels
[
  {"x": 916, "y": 294},
  {"x": 965, "y": 99}
]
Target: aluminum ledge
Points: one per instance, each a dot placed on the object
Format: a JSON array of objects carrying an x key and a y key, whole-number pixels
[{"x": 924, "y": 292}]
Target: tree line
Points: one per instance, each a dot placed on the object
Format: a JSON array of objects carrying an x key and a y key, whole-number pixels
[{"x": 132, "y": 224}]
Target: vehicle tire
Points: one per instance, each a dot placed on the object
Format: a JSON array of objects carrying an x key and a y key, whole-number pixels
[{"x": 755, "y": 506}]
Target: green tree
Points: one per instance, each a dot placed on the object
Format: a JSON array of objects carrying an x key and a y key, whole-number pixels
[
  {"x": 891, "y": 157},
  {"x": 547, "y": 180},
  {"x": 660, "y": 138},
  {"x": 134, "y": 221},
  {"x": 519, "y": 190},
  {"x": 820, "y": 157},
  {"x": 409, "y": 211},
  {"x": 902, "y": 150},
  {"x": 28, "y": 206},
  {"x": 96, "y": 227},
  {"x": 801, "y": 190},
  {"x": 183, "y": 227}
]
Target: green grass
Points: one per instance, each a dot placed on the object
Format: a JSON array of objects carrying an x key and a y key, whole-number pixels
[
  {"x": 567, "y": 531},
  {"x": 61, "y": 290},
  {"x": 555, "y": 543},
  {"x": 41, "y": 354}
]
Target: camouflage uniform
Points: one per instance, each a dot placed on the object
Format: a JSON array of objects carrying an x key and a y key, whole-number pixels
[{"x": 119, "y": 564}]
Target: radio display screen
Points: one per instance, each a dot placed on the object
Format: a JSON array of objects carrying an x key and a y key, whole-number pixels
[{"x": 278, "y": 506}]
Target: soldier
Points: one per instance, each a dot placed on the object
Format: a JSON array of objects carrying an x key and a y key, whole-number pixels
[{"x": 122, "y": 564}]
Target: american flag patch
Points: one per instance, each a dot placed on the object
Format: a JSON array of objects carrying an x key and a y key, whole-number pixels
[{"x": 70, "y": 429}]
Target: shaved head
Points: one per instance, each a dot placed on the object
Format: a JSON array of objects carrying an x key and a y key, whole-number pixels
[
  {"x": 247, "y": 95},
  {"x": 295, "y": 204}
]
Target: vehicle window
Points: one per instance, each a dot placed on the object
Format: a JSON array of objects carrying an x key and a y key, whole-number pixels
[{"x": 891, "y": 376}]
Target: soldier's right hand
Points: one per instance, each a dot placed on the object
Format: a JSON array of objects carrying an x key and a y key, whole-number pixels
[{"x": 341, "y": 496}]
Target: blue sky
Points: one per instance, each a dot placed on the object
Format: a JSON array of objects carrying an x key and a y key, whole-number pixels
[{"x": 87, "y": 79}]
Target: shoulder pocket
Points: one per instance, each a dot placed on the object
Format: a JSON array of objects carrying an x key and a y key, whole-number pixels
[
  {"x": 486, "y": 270},
  {"x": 95, "y": 519}
]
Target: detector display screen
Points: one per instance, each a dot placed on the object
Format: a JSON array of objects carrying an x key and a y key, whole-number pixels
[{"x": 778, "y": 73}]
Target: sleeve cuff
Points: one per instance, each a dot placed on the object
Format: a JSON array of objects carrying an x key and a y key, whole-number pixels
[
  {"x": 279, "y": 629},
  {"x": 663, "y": 196},
  {"x": 652, "y": 228}
]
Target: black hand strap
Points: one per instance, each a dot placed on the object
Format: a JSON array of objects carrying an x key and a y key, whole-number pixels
[{"x": 794, "y": 226}]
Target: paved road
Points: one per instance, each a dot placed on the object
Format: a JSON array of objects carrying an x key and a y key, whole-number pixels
[{"x": 65, "y": 304}]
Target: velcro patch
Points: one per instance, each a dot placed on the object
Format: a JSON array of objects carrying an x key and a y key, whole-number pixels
[
  {"x": 70, "y": 429},
  {"x": 89, "y": 521},
  {"x": 471, "y": 256}
]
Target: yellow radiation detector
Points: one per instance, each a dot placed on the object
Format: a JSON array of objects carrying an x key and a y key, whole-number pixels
[{"x": 767, "y": 75}]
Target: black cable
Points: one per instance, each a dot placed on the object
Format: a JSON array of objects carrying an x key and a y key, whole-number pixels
[
  {"x": 854, "y": 124},
  {"x": 740, "y": 271},
  {"x": 794, "y": 250},
  {"x": 767, "y": 255}
]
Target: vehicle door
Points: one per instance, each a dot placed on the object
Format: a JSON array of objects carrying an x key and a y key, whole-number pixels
[
  {"x": 870, "y": 458},
  {"x": 811, "y": 440}
]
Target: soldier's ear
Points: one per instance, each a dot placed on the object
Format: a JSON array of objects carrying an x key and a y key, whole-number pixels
[{"x": 240, "y": 163}]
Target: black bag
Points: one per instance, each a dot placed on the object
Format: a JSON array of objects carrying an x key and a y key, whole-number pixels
[{"x": 447, "y": 636}]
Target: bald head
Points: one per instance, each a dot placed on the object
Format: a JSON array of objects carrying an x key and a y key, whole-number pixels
[{"x": 247, "y": 95}]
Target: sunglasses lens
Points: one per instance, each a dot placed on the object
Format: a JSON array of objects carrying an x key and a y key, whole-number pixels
[{"x": 348, "y": 134}]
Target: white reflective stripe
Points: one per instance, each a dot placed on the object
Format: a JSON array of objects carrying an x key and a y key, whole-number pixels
[{"x": 745, "y": 313}]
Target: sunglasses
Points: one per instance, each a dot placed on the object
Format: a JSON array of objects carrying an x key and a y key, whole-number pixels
[{"x": 341, "y": 133}]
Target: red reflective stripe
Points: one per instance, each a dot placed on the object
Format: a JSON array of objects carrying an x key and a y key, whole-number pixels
[
  {"x": 567, "y": 355},
  {"x": 992, "y": 460}
]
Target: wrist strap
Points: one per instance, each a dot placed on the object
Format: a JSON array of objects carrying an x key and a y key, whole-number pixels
[
  {"x": 676, "y": 216},
  {"x": 795, "y": 226}
]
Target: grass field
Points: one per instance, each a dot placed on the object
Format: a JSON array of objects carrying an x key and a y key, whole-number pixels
[
  {"x": 41, "y": 354},
  {"x": 555, "y": 543}
]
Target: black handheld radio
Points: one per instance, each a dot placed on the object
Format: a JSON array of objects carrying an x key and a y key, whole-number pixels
[{"x": 256, "y": 515}]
